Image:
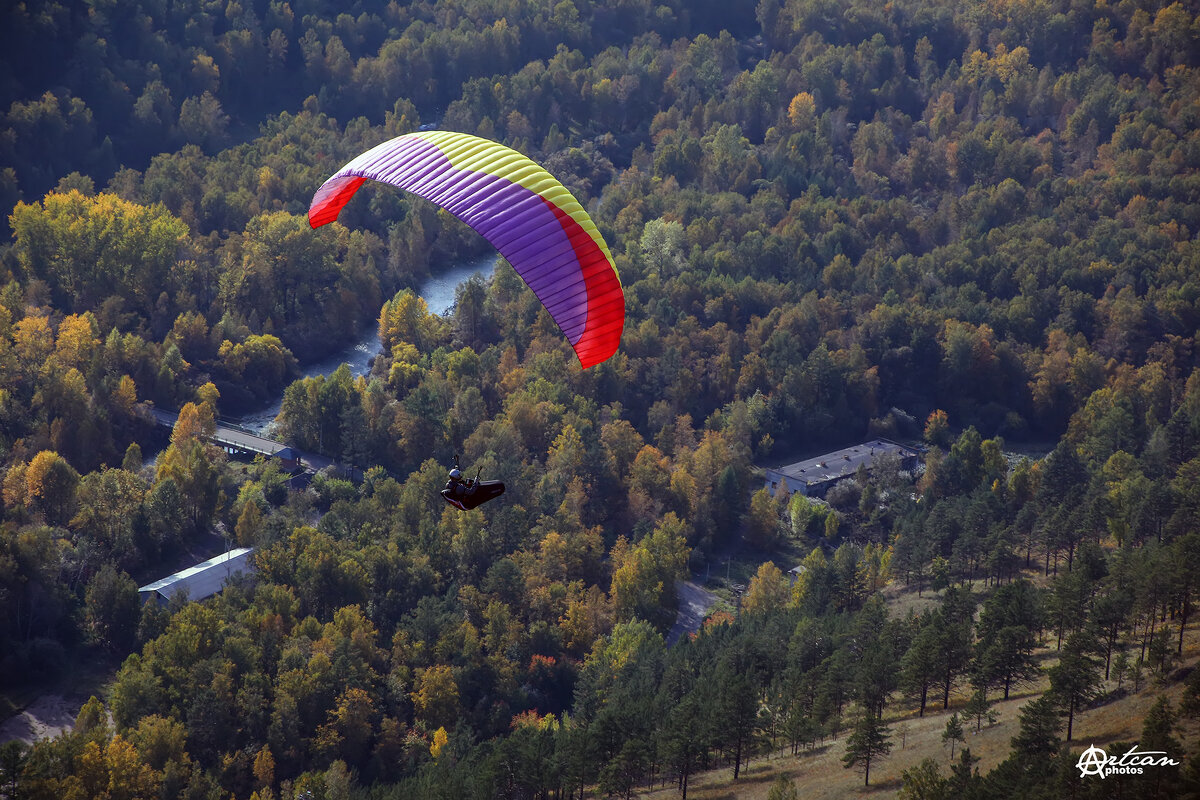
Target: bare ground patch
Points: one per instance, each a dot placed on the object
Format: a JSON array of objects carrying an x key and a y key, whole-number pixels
[{"x": 47, "y": 716}]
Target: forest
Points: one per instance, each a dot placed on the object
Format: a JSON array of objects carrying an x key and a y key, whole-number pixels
[{"x": 972, "y": 226}]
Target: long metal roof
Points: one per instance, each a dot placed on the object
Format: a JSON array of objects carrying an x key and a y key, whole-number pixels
[
  {"x": 840, "y": 463},
  {"x": 206, "y": 578}
]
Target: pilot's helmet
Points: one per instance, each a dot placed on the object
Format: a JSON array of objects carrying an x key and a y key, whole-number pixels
[{"x": 455, "y": 474}]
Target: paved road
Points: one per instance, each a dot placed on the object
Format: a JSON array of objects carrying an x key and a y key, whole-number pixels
[
  {"x": 230, "y": 436},
  {"x": 694, "y": 603}
]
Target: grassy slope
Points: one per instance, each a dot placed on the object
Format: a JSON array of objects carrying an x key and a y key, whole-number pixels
[{"x": 819, "y": 773}]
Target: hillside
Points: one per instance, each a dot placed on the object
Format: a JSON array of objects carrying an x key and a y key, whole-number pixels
[{"x": 818, "y": 772}]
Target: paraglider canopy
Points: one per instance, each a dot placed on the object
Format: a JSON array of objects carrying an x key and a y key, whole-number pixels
[{"x": 523, "y": 210}]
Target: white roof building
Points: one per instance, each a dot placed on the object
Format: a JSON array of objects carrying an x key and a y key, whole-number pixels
[
  {"x": 201, "y": 581},
  {"x": 815, "y": 476}
]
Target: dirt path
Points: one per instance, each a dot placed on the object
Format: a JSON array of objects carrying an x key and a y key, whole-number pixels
[
  {"x": 694, "y": 603},
  {"x": 47, "y": 716}
]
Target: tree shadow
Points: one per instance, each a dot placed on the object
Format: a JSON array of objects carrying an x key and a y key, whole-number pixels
[
  {"x": 891, "y": 785},
  {"x": 813, "y": 751}
]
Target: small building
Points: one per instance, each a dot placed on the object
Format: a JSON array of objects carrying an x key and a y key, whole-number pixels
[
  {"x": 201, "y": 581},
  {"x": 815, "y": 477},
  {"x": 289, "y": 458},
  {"x": 300, "y": 481}
]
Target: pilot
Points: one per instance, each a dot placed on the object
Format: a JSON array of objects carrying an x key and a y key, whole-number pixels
[{"x": 457, "y": 486}]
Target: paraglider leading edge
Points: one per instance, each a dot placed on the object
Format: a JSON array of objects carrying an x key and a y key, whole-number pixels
[{"x": 523, "y": 210}]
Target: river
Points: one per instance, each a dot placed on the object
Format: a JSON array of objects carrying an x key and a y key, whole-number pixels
[
  {"x": 438, "y": 292},
  {"x": 51, "y": 714}
]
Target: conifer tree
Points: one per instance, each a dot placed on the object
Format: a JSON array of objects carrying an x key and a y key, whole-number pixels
[
  {"x": 924, "y": 782},
  {"x": 1075, "y": 680},
  {"x": 953, "y": 732},
  {"x": 919, "y": 663},
  {"x": 869, "y": 741},
  {"x": 1040, "y": 722},
  {"x": 979, "y": 708},
  {"x": 737, "y": 701}
]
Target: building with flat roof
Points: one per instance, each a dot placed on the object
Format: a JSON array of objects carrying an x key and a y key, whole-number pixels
[
  {"x": 201, "y": 581},
  {"x": 814, "y": 477}
]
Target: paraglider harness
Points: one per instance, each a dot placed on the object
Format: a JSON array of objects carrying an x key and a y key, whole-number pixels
[{"x": 470, "y": 493}]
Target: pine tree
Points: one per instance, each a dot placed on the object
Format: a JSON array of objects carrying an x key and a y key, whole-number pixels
[
  {"x": 1007, "y": 637},
  {"x": 1040, "y": 723},
  {"x": 919, "y": 671},
  {"x": 868, "y": 742},
  {"x": 13, "y": 755},
  {"x": 924, "y": 782},
  {"x": 1075, "y": 680},
  {"x": 979, "y": 708},
  {"x": 957, "y": 621},
  {"x": 737, "y": 700},
  {"x": 962, "y": 774},
  {"x": 1120, "y": 668},
  {"x": 1189, "y": 704},
  {"x": 682, "y": 739},
  {"x": 953, "y": 732},
  {"x": 1157, "y": 730}
]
